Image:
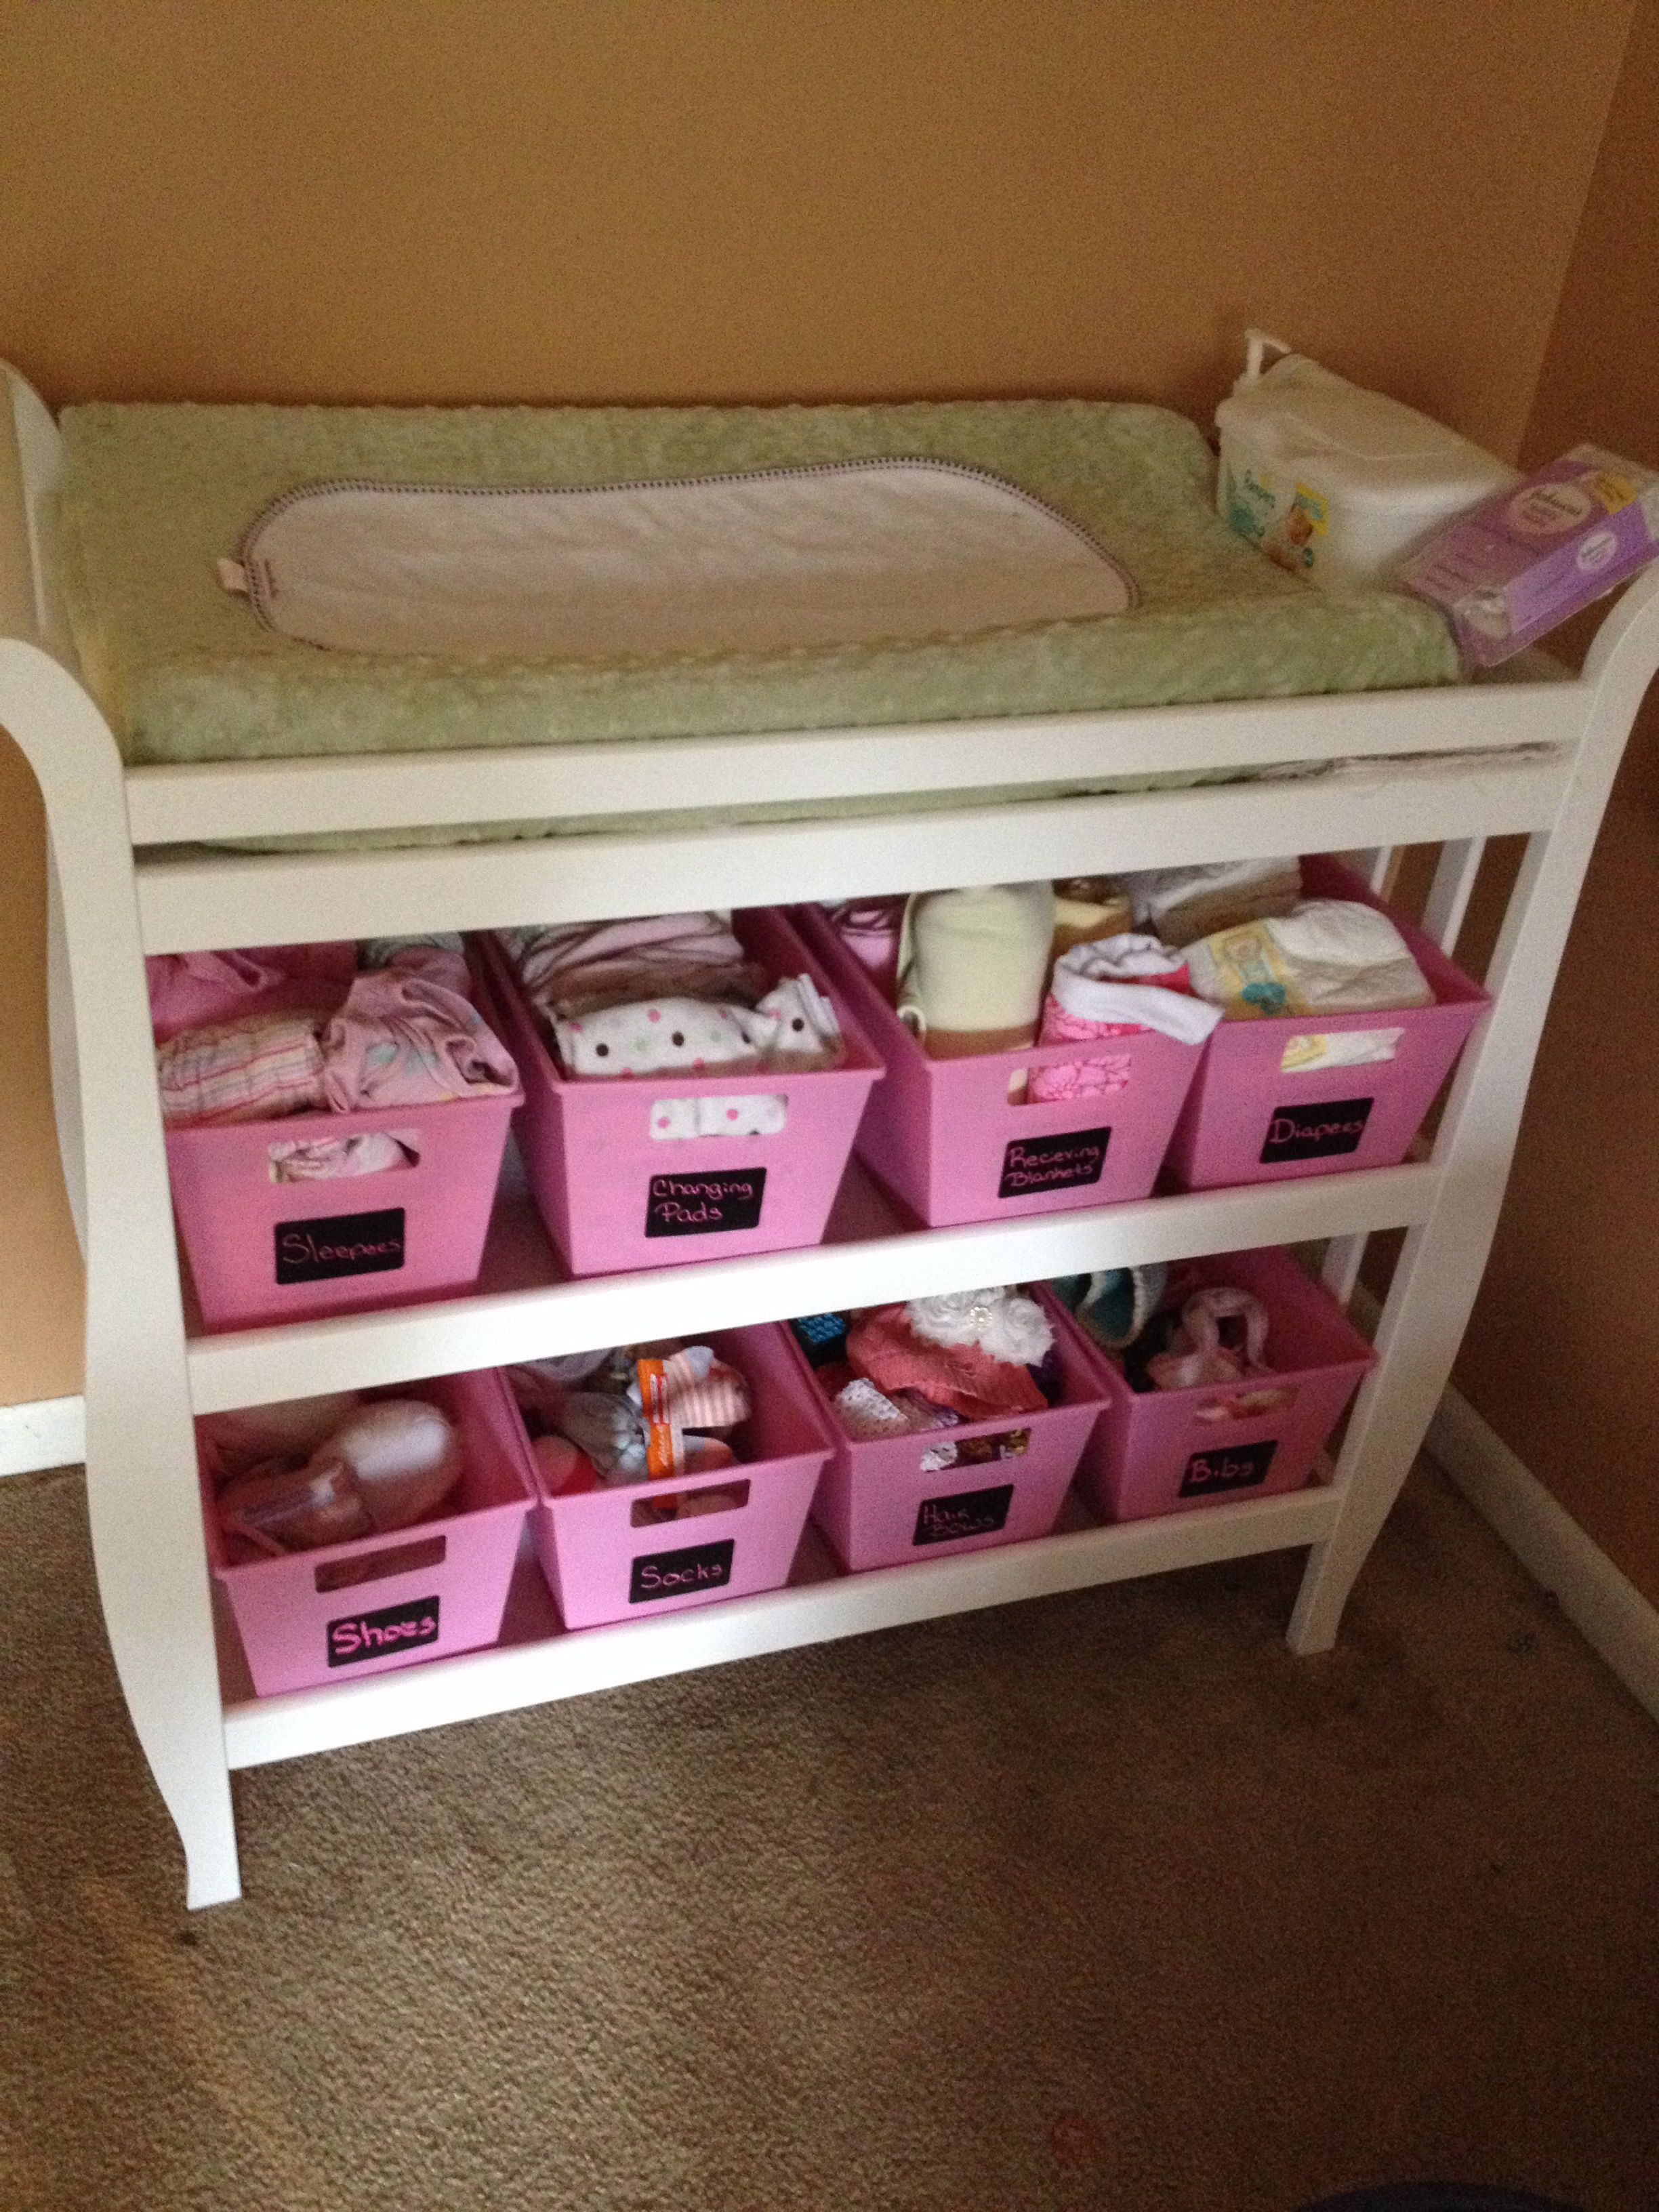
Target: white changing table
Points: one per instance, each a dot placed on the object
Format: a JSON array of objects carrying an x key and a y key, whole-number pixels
[{"x": 1534, "y": 753}]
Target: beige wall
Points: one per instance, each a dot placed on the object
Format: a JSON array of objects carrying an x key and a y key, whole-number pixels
[
  {"x": 448, "y": 200},
  {"x": 1563, "y": 1354}
]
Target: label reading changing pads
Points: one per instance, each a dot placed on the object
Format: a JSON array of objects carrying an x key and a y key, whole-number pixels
[
  {"x": 704, "y": 1205},
  {"x": 1065, "y": 1162},
  {"x": 340, "y": 1245},
  {"x": 1315, "y": 1133}
]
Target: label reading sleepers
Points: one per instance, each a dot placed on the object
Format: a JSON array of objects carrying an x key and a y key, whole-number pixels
[
  {"x": 680, "y": 1574},
  {"x": 359, "y": 1636},
  {"x": 1229, "y": 1467},
  {"x": 704, "y": 1205},
  {"x": 340, "y": 1245},
  {"x": 1315, "y": 1133},
  {"x": 1063, "y": 1162},
  {"x": 969, "y": 1513}
]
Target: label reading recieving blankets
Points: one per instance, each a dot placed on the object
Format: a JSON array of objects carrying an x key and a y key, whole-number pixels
[
  {"x": 704, "y": 1205},
  {"x": 339, "y": 1244},
  {"x": 1065, "y": 1162},
  {"x": 1315, "y": 1133},
  {"x": 845, "y": 553}
]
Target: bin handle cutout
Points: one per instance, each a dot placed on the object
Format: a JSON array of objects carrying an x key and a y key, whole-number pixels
[
  {"x": 655, "y": 1510},
  {"x": 743, "y": 1114},
  {"x": 379, "y": 1566},
  {"x": 330, "y": 1160},
  {"x": 1086, "y": 1075},
  {"x": 1247, "y": 1404},
  {"x": 1339, "y": 1048}
]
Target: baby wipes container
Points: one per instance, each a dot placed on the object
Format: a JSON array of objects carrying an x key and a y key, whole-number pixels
[{"x": 1334, "y": 482}]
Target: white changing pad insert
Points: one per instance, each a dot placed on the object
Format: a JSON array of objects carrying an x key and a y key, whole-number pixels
[{"x": 844, "y": 553}]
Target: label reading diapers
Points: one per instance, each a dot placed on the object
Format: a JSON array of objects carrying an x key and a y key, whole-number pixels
[
  {"x": 360, "y": 1635},
  {"x": 679, "y": 1574},
  {"x": 704, "y": 1205},
  {"x": 1064, "y": 1161},
  {"x": 1315, "y": 1133},
  {"x": 970, "y": 1513},
  {"x": 1236, "y": 1467},
  {"x": 340, "y": 1245}
]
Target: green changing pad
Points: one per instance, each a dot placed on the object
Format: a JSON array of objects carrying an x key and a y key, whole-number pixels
[{"x": 155, "y": 496}]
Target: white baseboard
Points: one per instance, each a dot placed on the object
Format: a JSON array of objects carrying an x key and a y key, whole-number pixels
[
  {"x": 50, "y": 1432},
  {"x": 1606, "y": 1609}
]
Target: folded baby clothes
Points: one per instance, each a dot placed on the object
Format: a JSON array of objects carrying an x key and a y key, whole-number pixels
[
  {"x": 972, "y": 966},
  {"x": 205, "y": 990},
  {"x": 884, "y": 1349},
  {"x": 793, "y": 1028},
  {"x": 869, "y": 928},
  {"x": 404, "y": 1039},
  {"x": 247, "y": 1070},
  {"x": 653, "y": 1036},
  {"x": 323, "y": 1159},
  {"x": 580, "y": 968},
  {"x": 1121, "y": 987},
  {"x": 805, "y": 1032},
  {"x": 378, "y": 951},
  {"x": 1330, "y": 956},
  {"x": 1184, "y": 903},
  {"x": 1087, "y": 909}
]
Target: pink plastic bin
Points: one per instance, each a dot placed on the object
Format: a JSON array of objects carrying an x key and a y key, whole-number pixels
[
  {"x": 600, "y": 1566},
  {"x": 613, "y": 1197},
  {"x": 261, "y": 1251},
  {"x": 943, "y": 1135},
  {"x": 1166, "y": 1452},
  {"x": 880, "y": 1507},
  {"x": 1248, "y": 1120},
  {"x": 392, "y": 1601}
]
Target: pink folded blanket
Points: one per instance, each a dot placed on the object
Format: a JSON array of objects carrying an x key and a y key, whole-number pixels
[{"x": 406, "y": 1037}]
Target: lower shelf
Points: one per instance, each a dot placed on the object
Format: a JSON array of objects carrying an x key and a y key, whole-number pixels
[{"x": 536, "y": 1660}]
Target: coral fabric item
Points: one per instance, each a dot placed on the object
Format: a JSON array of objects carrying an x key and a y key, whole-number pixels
[{"x": 882, "y": 1347}]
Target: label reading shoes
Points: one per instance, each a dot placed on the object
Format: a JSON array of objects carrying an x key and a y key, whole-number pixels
[{"x": 360, "y": 1635}]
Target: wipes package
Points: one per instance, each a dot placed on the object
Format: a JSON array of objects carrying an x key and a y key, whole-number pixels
[{"x": 1520, "y": 563}]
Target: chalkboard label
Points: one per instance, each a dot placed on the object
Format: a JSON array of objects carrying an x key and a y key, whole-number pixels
[
  {"x": 1229, "y": 1467},
  {"x": 1315, "y": 1133},
  {"x": 1058, "y": 1163},
  {"x": 359, "y": 1636},
  {"x": 970, "y": 1513},
  {"x": 704, "y": 1205},
  {"x": 677, "y": 1574},
  {"x": 339, "y": 1244}
]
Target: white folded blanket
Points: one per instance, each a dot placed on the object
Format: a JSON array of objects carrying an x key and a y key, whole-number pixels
[{"x": 843, "y": 554}]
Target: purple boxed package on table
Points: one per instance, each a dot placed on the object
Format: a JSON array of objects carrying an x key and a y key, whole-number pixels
[{"x": 1519, "y": 563}]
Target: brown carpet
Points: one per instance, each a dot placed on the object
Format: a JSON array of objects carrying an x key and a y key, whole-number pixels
[{"x": 1102, "y": 1901}]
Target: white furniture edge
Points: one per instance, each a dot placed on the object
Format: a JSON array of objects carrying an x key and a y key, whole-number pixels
[
  {"x": 1601, "y": 1602},
  {"x": 115, "y": 903},
  {"x": 42, "y": 1432}
]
